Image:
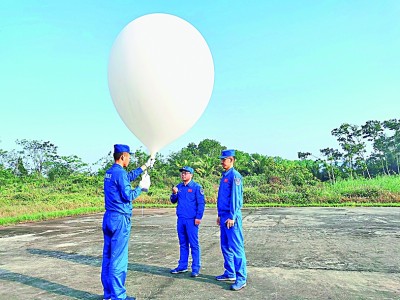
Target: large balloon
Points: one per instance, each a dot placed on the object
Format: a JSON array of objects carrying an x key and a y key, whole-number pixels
[{"x": 160, "y": 76}]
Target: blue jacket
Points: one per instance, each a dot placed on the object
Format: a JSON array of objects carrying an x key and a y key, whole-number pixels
[
  {"x": 230, "y": 195},
  {"x": 191, "y": 201},
  {"x": 118, "y": 193}
]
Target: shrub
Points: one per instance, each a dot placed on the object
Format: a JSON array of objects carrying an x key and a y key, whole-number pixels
[{"x": 252, "y": 195}]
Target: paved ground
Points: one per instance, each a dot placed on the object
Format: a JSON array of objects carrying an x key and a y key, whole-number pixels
[{"x": 293, "y": 253}]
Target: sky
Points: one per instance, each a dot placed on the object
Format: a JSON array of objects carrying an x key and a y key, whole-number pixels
[{"x": 286, "y": 72}]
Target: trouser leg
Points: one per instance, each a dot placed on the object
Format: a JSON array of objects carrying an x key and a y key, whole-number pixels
[
  {"x": 193, "y": 235},
  {"x": 236, "y": 243},
  {"x": 227, "y": 252},
  {"x": 120, "y": 227},
  {"x": 105, "y": 265},
  {"x": 183, "y": 244}
]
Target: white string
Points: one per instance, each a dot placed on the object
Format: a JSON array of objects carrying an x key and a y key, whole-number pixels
[{"x": 145, "y": 174}]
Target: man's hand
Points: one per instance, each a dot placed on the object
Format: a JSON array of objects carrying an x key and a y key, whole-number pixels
[
  {"x": 144, "y": 184},
  {"x": 197, "y": 221},
  {"x": 218, "y": 220},
  {"x": 229, "y": 223},
  {"x": 174, "y": 190},
  {"x": 150, "y": 163}
]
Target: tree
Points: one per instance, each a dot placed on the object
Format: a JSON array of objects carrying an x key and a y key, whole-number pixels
[
  {"x": 381, "y": 144},
  {"x": 3, "y": 158},
  {"x": 12, "y": 160},
  {"x": 206, "y": 165},
  {"x": 204, "y": 157},
  {"x": 36, "y": 154},
  {"x": 20, "y": 169},
  {"x": 303, "y": 155},
  {"x": 350, "y": 139},
  {"x": 393, "y": 141},
  {"x": 210, "y": 148},
  {"x": 373, "y": 132},
  {"x": 314, "y": 166},
  {"x": 332, "y": 157},
  {"x": 243, "y": 163},
  {"x": 65, "y": 166}
]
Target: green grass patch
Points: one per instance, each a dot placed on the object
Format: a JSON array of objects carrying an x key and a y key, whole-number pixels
[
  {"x": 49, "y": 215},
  {"x": 37, "y": 200}
]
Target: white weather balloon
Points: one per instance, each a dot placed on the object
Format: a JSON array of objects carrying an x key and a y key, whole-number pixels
[{"x": 161, "y": 77}]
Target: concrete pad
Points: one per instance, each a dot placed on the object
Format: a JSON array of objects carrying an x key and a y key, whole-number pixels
[{"x": 292, "y": 253}]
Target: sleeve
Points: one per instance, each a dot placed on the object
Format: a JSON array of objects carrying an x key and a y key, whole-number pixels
[
  {"x": 201, "y": 202},
  {"x": 174, "y": 198},
  {"x": 127, "y": 193},
  {"x": 132, "y": 175},
  {"x": 237, "y": 196},
  {"x": 218, "y": 197}
]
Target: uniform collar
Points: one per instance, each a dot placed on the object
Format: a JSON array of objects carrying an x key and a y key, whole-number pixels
[
  {"x": 227, "y": 172},
  {"x": 189, "y": 183}
]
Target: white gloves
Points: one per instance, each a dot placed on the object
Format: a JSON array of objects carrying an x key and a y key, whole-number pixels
[
  {"x": 144, "y": 184},
  {"x": 150, "y": 162}
]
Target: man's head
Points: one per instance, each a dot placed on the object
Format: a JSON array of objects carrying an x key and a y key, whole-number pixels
[
  {"x": 186, "y": 173},
  {"x": 122, "y": 154},
  {"x": 227, "y": 159}
]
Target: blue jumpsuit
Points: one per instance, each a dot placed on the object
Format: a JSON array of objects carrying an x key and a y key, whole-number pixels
[
  {"x": 229, "y": 204},
  {"x": 118, "y": 197},
  {"x": 191, "y": 204}
]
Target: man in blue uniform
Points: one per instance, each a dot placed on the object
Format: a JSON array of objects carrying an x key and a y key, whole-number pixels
[
  {"x": 118, "y": 197},
  {"x": 229, "y": 204},
  {"x": 190, "y": 197}
]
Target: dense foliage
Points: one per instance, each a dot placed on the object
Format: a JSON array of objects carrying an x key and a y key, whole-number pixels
[{"x": 36, "y": 179}]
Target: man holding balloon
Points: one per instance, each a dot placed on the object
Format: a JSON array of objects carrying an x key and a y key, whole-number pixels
[
  {"x": 158, "y": 62},
  {"x": 118, "y": 197}
]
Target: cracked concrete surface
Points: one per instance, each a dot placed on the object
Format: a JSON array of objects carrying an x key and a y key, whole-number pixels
[{"x": 292, "y": 253}]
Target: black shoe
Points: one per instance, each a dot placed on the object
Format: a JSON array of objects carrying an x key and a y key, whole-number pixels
[{"x": 130, "y": 298}]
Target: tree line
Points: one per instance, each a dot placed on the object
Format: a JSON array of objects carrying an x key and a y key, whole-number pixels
[{"x": 369, "y": 150}]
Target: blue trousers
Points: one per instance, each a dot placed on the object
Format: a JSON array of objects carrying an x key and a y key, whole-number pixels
[
  {"x": 232, "y": 247},
  {"x": 188, "y": 235},
  {"x": 116, "y": 231}
]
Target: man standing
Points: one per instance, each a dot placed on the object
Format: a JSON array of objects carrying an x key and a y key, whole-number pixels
[
  {"x": 229, "y": 204},
  {"x": 190, "y": 197},
  {"x": 118, "y": 197}
]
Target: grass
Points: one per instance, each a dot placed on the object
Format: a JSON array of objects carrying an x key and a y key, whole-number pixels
[
  {"x": 48, "y": 215},
  {"x": 345, "y": 204},
  {"x": 383, "y": 189},
  {"x": 39, "y": 200}
]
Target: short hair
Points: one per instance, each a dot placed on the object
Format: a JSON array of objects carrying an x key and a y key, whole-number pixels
[{"x": 117, "y": 155}]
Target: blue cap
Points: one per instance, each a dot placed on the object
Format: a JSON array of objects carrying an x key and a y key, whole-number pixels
[
  {"x": 227, "y": 153},
  {"x": 119, "y": 148},
  {"x": 187, "y": 169}
]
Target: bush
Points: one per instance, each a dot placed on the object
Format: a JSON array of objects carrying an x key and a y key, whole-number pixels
[
  {"x": 252, "y": 195},
  {"x": 369, "y": 192}
]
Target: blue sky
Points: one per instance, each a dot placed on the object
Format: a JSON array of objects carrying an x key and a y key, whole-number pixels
[{"x": 286, "y": 72}]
